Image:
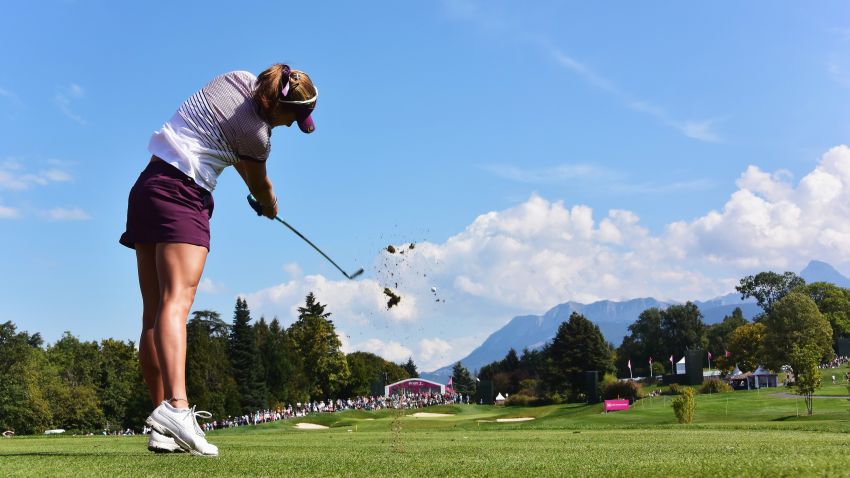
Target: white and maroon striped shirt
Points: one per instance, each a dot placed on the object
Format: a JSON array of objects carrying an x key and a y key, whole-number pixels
[{"x": 216, "y": 127}]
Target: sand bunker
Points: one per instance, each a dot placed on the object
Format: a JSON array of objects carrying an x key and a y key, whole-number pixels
[
  {"x": 309, "y": 426},
  {"x": 430, "y": 415},
  {"x": 510, "y": 420}
]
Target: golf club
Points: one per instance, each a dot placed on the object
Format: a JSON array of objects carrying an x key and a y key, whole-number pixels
[{"x": 258, "y": 208}]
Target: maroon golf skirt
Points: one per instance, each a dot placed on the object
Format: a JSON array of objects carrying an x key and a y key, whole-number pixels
[{"x": 165, "y": 205}]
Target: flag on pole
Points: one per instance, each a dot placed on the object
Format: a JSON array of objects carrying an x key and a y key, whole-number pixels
[
  {"x": 671, "y": 359},
  {"x": 630, "y": 364},
  {"x": 709, "y": 355}
]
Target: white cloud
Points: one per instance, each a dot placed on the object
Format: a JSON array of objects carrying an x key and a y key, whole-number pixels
[
  {"x": 435, "y": 352},
  {"x": 64, "y": 99},
  {"x": 14, "y": 175},
  {"x": 209, "y": 286},
  {"x": 701, "y": 130},
  {"x": 392, "y": 350},
  {"x": 11, "y": 96},
  {"x": 562, "y": 172},
  {"x": 362, "y": 302},
  {"x": 434, "y": 348},
  {"x": 293, "y": 270},
  {"x": 592, "y": 175},
  {"x": 67, "y": 214},
  {"x": 770, "y": 223},
  {"x": 9, "y": 212}
]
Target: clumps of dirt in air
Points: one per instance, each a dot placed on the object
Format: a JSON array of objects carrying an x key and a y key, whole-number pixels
[
  {"x": 393, "y": 298},
  {"x": 400, "y": 268}
]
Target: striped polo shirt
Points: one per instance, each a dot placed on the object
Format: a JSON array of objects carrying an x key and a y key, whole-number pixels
[{"x": 216, "y": 127}]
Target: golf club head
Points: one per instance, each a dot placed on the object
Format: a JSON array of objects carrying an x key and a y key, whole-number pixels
[
  {"x": 255, "y": 205},
  {"x": 356, "y": 273}
]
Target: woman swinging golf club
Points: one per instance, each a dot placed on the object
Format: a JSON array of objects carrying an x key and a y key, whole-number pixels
[{"x": 228, "y": 122}]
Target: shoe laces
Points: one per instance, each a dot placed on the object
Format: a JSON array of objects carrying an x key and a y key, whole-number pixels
[{"x": 195, "y": 415}]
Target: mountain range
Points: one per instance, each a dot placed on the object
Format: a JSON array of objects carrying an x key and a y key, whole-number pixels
[{"x": 613, "y": 319}]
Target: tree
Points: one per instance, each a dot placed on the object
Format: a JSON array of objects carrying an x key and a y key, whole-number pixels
[
  {"x": 462, "y": 380},
  {"x": 410, "y": 367},
  {"x": 746, "y": 344},
  {"x": 119, "y": 373},
  {"x": 682, "y": 329},
  {"x": 76, "y": 399},
  {"x": 719, "y": 335},
  {"x": 209, "y": 376},
  {"x": 807, "y": 378},
  {"x": 795, "y": 321},
  {"x": 314, "y": 335},
  {"x": 370, "y": 371},
  {"x": 643, "y": 342},
  {"x": 284, "y": 377},
  {"x": 78, "y": 362},
  {"x": 245, "y": 360},
  {"x": 508, "y": 373},
  {"x": 24, "y": 406},
  {"x": 768, "y": 287},
  {"x": 578, "y": 346},
  {"x": 833, "y": 302}
]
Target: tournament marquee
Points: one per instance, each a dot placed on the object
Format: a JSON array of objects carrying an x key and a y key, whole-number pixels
[{"x": 414, "y": 386}]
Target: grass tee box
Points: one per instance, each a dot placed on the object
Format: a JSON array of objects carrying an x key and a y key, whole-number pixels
[{"x": 735, "y": 434}]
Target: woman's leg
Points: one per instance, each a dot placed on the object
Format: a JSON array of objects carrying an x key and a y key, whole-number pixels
[
  {"x": 179, "y": 268},
  {"x": 149, "y": 285}
]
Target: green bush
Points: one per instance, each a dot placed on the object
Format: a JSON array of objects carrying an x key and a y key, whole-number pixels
[
  {"x": 684, "y": 406},
  {"x": 608, "y": 379},
  {"x": 715, "y": 385},
  {"x": 627, "y": 389},
  {"x": 674, "y": 389},
  {"x": 525, "y": 400}
]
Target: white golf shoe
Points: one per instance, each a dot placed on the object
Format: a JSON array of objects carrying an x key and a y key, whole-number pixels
[
  {"x": 182, "y": 425},
  {"x": 159, "y": 443}
]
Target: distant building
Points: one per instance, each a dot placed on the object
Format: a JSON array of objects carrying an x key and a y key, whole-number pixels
[
  {"x": 760, "y": 378},
  {"x": 414, "y": 386}
]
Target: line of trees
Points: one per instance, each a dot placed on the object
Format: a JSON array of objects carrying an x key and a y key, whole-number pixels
[
  {"x": 231, "y": 369},
  {"x": 797, "y": 330},
  {"x": 554, "y": 373}
]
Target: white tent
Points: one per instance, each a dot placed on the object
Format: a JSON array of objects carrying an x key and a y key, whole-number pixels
[
  {"x": 680, "y": 367},
  {"x": 500, "y": 399}
]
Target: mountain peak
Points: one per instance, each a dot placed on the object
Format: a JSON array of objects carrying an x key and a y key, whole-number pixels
[{"x": 819, "y": 271}]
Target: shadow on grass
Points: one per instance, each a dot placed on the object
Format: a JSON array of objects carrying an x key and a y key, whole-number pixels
[
  {"x": 784, "y": 419},
  {"x": 65, "y": 454}
]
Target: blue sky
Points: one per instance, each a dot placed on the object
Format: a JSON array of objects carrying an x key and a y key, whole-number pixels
[{"x": 500, "y": 139}]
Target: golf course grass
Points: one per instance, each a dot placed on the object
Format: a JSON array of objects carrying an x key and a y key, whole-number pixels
[{"x": 744, "y": 433}]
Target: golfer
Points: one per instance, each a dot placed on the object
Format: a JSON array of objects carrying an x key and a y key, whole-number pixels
[{"x": 227, "y": 123}]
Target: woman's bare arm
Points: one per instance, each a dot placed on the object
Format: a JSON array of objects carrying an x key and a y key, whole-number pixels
[{"x": 255, "y": 177}]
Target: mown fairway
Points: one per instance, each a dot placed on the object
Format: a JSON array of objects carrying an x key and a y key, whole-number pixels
[{"x": 735, "y": 434}]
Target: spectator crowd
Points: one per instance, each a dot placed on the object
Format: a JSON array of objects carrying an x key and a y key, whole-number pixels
[{"x": 397, "y": 402}]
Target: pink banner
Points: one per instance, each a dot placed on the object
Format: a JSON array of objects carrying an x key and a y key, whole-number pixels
[{"x": 616, "y": 405}]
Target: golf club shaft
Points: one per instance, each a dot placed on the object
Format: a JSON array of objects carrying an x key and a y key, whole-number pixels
[{"x": 316, "y": 248}]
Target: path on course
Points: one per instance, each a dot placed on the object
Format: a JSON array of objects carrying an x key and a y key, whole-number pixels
[{"x": 791, "y": 395}]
